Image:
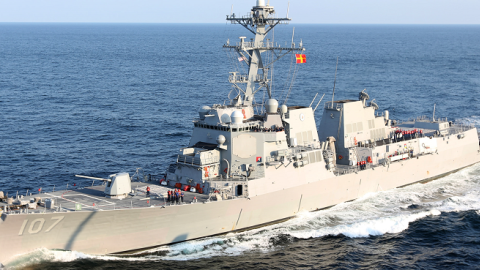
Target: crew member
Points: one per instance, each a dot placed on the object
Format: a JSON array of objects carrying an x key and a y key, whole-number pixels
[
  {"x": 181, "y": 196},
  {"x": 148, "y": 191}
]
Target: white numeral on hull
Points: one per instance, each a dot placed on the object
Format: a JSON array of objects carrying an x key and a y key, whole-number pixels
[{"x": 37, "y": 225}]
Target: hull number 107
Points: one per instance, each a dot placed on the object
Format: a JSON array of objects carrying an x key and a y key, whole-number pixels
[{"x": 37, "y": 225}]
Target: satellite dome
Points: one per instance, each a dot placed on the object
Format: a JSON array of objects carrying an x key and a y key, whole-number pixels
[
  {"x": 260, "y": 3},
  {"x": 225, "y": 118},
  {"x": 237, "y": 117},
  {"x": 271, "y": 106},
  {"x": 221, "y": 139},
  {"x": 283, "y": 109}
]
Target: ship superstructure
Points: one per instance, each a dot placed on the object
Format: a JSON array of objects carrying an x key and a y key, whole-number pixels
[
  {"x": 247, "y": 164},
  {"x": 232, "y": 145}
]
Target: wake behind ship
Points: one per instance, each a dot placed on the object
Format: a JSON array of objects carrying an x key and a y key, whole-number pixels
[{"x": 247, "y": 164}]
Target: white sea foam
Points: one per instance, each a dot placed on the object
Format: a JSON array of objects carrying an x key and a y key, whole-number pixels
[
  {"x": 473, "y": 120},
  {"x": 46, "y": 255},
  {"x": 374, "y": 214}
]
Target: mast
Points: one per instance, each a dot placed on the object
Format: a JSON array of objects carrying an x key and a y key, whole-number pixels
[{"x": 260, "y": 21}]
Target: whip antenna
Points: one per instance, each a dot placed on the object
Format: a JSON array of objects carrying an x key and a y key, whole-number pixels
[
  {"x": 334, "y": 82},
  {"x": 288, "y": 8},
  {"x": 318, "y": 103},
  {"x": 313, "y": 100}
]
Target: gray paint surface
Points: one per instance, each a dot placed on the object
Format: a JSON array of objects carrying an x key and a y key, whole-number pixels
[{"x": 252, "y": 168}]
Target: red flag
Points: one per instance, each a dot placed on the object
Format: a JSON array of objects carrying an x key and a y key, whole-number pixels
[{"x": 301, "y": 58}]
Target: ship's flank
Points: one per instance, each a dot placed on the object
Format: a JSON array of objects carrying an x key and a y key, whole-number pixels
[{"x": 249, "y": 162}]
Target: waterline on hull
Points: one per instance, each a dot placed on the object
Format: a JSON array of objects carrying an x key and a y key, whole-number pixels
[{"x": 373, "y": 214}]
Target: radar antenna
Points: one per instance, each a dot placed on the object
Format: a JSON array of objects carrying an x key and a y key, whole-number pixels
[{"x": 261, "y": 20}]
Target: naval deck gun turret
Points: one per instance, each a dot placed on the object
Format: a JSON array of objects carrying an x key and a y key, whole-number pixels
[{"x": 117, "y": 185}]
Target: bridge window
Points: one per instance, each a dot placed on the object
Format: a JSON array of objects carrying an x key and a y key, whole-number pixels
[{"x": 239, "y": 190}]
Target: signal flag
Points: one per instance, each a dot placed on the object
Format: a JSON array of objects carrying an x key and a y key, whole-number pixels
[{"x": 301, "y": 58}]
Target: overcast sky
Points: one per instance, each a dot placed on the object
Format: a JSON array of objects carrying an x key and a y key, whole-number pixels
[{"x": 214, "y": 11}]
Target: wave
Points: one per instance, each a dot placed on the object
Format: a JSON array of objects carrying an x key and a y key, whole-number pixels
[
  {"x": 474, "y": 120},
  {"x": 374, "y": 214}
]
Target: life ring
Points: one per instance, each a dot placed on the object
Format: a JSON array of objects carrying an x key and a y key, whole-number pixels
[
  {"x": 340, "y": 157},
  {"x": 206, "y": 174}
]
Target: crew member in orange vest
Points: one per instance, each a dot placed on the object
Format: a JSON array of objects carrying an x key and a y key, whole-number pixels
[{"x": 148, "y": 191}]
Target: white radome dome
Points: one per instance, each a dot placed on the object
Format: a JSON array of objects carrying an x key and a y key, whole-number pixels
[
  {"x": 271, "y": 106},
  {"x": 221, "y": 139},
  {"x": 237, "y": 117}
]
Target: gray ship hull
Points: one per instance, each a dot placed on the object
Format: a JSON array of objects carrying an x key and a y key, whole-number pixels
[{"x": 106, "y": 232}]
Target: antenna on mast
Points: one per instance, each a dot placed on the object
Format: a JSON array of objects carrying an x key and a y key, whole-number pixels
[
  {"x": 318, "y": 103},
  {"x": 231, "y": 11},
  {"x": 260, "y": 22},
  {"x": 313, "y": 100},
  {"x": 271, "y": 72},
  {"x": 288, "y": 8},
  {"x": 334, "y": 82},
  {"x": 293, "y": 35}
]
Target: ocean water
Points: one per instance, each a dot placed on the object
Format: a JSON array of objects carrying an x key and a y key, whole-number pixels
[{"x": 97, "y": 99}]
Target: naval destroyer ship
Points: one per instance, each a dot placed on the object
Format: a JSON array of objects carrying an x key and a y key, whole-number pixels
[{"x": 247, "y": 164}]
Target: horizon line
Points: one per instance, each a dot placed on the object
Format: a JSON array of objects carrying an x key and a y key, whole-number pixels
[{"x": 465, "y": 24}]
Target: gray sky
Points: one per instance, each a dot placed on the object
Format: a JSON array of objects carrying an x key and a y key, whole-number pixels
[{"x": 214, "y": 11}]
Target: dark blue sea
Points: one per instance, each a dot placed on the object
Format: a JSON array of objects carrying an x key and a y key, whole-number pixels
[{"x": 97, "y": 99}]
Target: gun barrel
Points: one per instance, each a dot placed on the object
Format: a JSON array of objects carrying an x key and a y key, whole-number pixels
[{"x": 95, "y": 178}]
